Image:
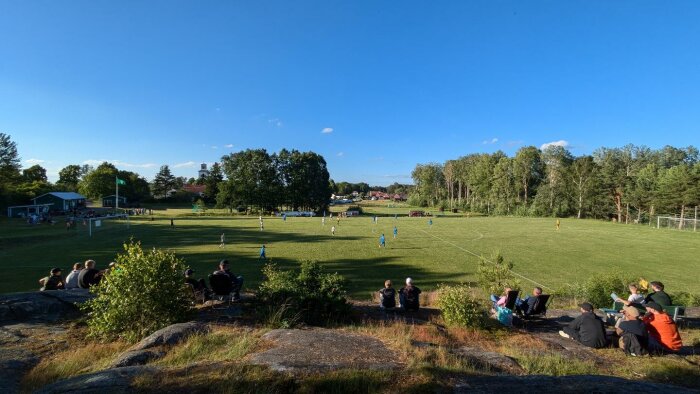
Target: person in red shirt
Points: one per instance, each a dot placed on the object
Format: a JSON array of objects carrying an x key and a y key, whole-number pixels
[{"x": 663, "y": 333}]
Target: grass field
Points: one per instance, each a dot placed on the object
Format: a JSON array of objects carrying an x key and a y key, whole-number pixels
[{"x": 443, "y": 253}]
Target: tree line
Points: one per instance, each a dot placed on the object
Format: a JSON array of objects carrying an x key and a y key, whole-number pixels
[
  {"x": 251, "y": 179},
  {"x": 629, "y": 184}
]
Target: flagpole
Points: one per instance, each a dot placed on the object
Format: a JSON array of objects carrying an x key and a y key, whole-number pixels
[{"x": 116, "y": 201}]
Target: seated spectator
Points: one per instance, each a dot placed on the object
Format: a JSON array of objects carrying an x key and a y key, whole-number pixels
[
  {"x": 663, "y": 333},
  {"x": 527, "y": 306},
  {"x": 658, "y": 295},
  {"x": 387, "y": 296},
  {"x": 632, "y": 332},
  {"x": 409, "y": 296},
  {"x": 89, "y": 276},
  {"x": 635, "y": 296},
  {"x": 52, "y": 282},
  {"x": 72, "y": 278},
  {"x": 236, "y": 281},
  {"x": 500, "y": 301},
  {"x": 199, "y": 286},
  {"x": 586, "y": 329}
]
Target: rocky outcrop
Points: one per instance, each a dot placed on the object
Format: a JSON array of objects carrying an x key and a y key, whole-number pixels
[
  {"x": 136, "y": 357},
  {"x": 583, "y": 384},
  {"x": 41, "y": 306},
  {"x": 116, "y": 380},
  {"x": 318, "y": 350},
  {"x": 14, "y": 363},
  {"x": 170, "y": 335},
  {"x": 491, "y": 361}
]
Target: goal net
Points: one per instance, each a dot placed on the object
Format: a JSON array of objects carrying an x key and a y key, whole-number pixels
[
  {"x": 110, "y": 223},
  {"x": 676, "y": 223}
]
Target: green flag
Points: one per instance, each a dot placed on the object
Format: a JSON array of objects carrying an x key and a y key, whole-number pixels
[{"x": 121, "y": 182}]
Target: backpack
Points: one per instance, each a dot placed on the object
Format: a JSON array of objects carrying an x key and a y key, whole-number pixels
[
  {"x": 504, "y": 316},
  {"x": 632, "y": 345}
]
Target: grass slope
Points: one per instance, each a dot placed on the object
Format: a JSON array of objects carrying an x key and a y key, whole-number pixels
[{"x": 431, "y": 255}]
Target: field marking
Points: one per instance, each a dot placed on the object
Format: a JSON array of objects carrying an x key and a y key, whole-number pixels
[{"x": 485, "y": 259}]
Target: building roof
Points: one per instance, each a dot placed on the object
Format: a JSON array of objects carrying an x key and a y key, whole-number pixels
[
  {"x": 195, "y": 188},
  {"x": 64, "y": 195},
  {"x": 114, "y": 195}
]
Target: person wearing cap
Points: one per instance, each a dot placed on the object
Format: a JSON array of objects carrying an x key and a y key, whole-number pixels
[
  {"x": 52, "y": 282},
  {"x": 663, "y": 333},
  {"x": 631, "y": 326},
  {"x": 199, "y": 286},
  {"x": 236, "y": 280},
  {"x": 72, "y": 278},
  {"x": 587, "y": 329},
  {"x": 409, "y": 296}
]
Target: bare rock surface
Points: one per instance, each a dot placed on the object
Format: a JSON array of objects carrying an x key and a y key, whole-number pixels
[
  {"x": 318, "y": 350},
  {"x": 495, "y": 362},
  {"x": 136, "y": 357},
  {"x": 170, "y": 335},
  {"x": 583, "y": 384},
  {"x": 14, "y": 362},
  {"x": 41, "y": 306},
  {"x": 115, "y": 380}
]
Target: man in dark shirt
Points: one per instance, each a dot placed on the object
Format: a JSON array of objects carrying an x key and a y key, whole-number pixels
[
  {"x": 630, "y": 324},
  {"x": 89, "y": 276},
  {"x": 387, "y": 296},
  {"x": 527, "y": 306},
  {"x": 409, "y": 296},
  {"x": 659, "y": 296},
  {"x": 236, "y": 280},
  {"x": 587, "y": 329},
  {"x": 52, "y": 282}
]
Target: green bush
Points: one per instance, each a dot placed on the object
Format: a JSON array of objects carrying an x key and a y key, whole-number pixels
[
  {"x": 496, "y": 276},
  {"x": 685, "y": 299},
  {"x": 307, "y": 294},
  {"x": 597, "y": 288},
  {"x": 460, "y": 307},
  {"x": 144, "y": 293}
]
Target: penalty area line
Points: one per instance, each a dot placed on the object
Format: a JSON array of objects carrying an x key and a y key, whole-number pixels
[{"x": 485, "y": 259}]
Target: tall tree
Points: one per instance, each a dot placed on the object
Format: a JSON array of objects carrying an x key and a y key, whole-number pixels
[
  {"x": 613, "y": 173},
  {"x": 252, "y": 180},
  {"x": 677, "y": 189},
  {"x": 528, "y": 170},
  {"x": 583, "y": 176},
  {"x": 9, "y": 161},
  {"x": 99, "y": 182},
  {"x": 35, "y": 173},
  {"x": 69, "y": 177},
  {"x": 212, "y": 181},
  {"x": 163, "y": 182},
  {"x": 557, "y": 161}
]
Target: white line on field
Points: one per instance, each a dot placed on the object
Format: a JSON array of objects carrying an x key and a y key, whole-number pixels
[{"x": 485, "y": 259}]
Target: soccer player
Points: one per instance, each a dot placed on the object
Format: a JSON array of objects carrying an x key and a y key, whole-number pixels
[
  {"x": 323, "y": 221},
  {"x": 262, "y": 253},
  {"x": 396, "y": 232},
  {"x": 223, "y": 240},
  {"x": 558, "y": 224},
  {"x": 172, "y": 223},
  {"x": 332, "y": 230},
  {"x": 382, "y": 241},
  {"x": 430, "y": 222}
]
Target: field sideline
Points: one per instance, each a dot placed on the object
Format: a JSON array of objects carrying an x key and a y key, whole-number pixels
[{"x": 443, "y": 253}]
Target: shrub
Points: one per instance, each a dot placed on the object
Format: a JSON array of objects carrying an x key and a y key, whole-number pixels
[
  {"x": 597, "y": 288},
  {"x": 685, "y": 299},
  {"x": 144, "y": 293},
  {"x": 496, "y": 276},
  {"x": 307, "y": 294},
  {"x": 460, "y": 307}
]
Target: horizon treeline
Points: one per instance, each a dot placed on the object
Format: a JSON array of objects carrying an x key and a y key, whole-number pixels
[{"x": 628, "y": 184}]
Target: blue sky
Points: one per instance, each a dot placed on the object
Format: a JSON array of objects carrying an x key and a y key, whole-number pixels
[{"x": 392, "y": 84}]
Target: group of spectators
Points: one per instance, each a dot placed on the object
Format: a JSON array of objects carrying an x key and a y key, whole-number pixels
[
  {"x": 83, "y": 276},
  {"x": 409, "y": 296},
  {"x": 642, "y": 326},
  {"x": 223, "y": 282}
]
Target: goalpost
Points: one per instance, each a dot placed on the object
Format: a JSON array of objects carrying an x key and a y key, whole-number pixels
[
  {"x": 109, "y": 222},
  {"x": 674, "y": 222}
]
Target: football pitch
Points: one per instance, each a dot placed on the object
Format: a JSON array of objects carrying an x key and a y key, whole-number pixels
[{"x": 446, "y": 252}]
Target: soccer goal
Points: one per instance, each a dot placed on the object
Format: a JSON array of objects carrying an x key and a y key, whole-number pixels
[
  {"x": 676, "y": 223},
  {"x": 108, "y": 223}
]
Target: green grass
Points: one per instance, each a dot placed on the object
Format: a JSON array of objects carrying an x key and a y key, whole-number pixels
[{"x": 431, "y": 256}]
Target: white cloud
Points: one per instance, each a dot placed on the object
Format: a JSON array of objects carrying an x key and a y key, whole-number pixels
[
  {"x": 188, "y": 164},
  {"x": 34, "y": 161},
  {"x": 327, "y": 130},
  {"x": 214, "y": 147},
  {"x": 229, "y": 145},
  {"x": 275, "y": 122},
  {"x": 561, "y": 143},
  {"x": 491, "y": 141},
  {"x": 119, "y": 163},
  {"x": 340, "y": 154}
]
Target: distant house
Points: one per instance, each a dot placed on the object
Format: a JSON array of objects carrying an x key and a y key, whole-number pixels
[
  {"x": 61, "y": 201},
  {"x": 379, "y": 195},
  {"x": 108, "y": 201},
  {"x": 195, "y": 189}
]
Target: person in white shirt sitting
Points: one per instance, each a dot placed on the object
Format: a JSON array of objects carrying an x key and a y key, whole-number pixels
[{"x": 72, "y": 278}]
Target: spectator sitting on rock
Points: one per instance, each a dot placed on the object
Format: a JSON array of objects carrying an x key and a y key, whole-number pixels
[
  {"x": 52, "y": 282},
  {"x": 663, "y": 333},
  {"x": 72, "y": 278},
  {"x": 587, "y": 329},
  {"x": 527, "y": 306},
  {"x": 236, "y": 280},
  {"x": 89, "y": 276},
  {"x": 633, "y": 334},
  {"x": 199, "y": 286},
  {"x": 409, "y": 296},
  {"x": 387, "y": 296}
]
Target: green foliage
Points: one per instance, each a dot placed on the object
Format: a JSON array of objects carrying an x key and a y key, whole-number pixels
[
  {"x": 144, "y": 293},
  {"x": 685, "y": 299},
  {"x": 460, "y": 307},
  {"x": 555, "y": 364},
  {"x": 307, "y": 294},
  {"x": 496, "y": 275},
  {"x": 597, "y": 288}
]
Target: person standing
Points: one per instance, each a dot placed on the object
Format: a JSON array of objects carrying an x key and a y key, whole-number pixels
[
  {"x": 323, "y": 221},
  {"x": 382, "y": 241},
  {"x": 262, "y": 253},
  {"x": 396, "y": 232},
  {"x": 430, "y": 222},
  {"x": 172, "y": 223},
  {"x": 558, "y": 224},
  {"x": 332, "y": 230},
  {"x": 223, "y": 241}
]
